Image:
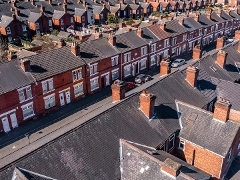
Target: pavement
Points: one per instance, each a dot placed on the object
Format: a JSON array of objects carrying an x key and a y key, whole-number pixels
[{"x": 78, "y": 109}]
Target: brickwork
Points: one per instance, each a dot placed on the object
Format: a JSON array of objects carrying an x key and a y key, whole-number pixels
[
  {"x": 118, "y": 91},
  {"x": 237, "y": 35},
  {"x": 221, "y": 110},
  {"x": 191, "y": 75},
  {"x": 221, "y": 58},
  {"x": 171, "y": 167},
  {"x": 220, "y": 43},
  {"x": 197, "y": 53},
  {"x": 165, "y": 67},
  {"x": 147, "y": 101}
]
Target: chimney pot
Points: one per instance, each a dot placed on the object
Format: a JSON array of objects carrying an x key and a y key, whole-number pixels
[
  {"x": 112, "y": 39},
  {"x": 11, "y": 55},
  {"x": 237, "y": 35},
  {"x": 14, "y": 16},
  {"x": 165, "y": 67},
  {"x": 147, "y": 101},
  {"x": 196, "y": 17},
  {"x": 221, "y": 109},
  {"x": 191, "y": 75},
  {"x": 75, "y": 48},
  {"x": 140, "y": 32},
  {"x": 221, "y": 58},
  {"x": 121, "y": 25},
  {"x": 220, "y": 43},
  {"x": 25, "y": 65},
  {"x": 171, "y": 167},
  {"x": 197, "y": 53},
  {"x": 118, "y": 90}
]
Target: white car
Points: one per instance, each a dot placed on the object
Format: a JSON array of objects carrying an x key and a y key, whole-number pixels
[
  {"x": 178, "y": 62},
  {"x": 230, "y": 40}
]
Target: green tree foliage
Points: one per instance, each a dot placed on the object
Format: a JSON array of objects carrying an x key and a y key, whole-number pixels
[{"x": 111, "y": 19}]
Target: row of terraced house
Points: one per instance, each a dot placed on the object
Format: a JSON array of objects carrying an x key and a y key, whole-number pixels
[
  {"x": 27, "y": 18},
  {"x": 43, "y": 82}
]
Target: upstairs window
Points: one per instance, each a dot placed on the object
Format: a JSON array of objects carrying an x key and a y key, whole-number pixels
[
  {"x": 25, "y": 93},
  {"x": 127, "y": 57},
  {"x": 216, "y": 27},
  {"x": 200, "y": 32},
  {"x": 24, "y": 27},
  {"x": 171, "y": 142},
  {"x": 181, "y": 144},
  {"x": 77, "y": 74},
  {"x": 61, "y": 22},
  {"x": 47, "y": 86},
  {"x": 93, "y": 69},
  {"x": 143, "y": 51},
  {"x": 174, "y": 41},
  {"x": 114, "y": 61},
  {"x": 8, "y": 29},
  {"x": 37, "y": 25},
  {"x": 71, "y": 20},
  {"x": 153, "y": 47},
  {"x": 83, "y": 18},
  {"x": 212, "y": 29},
  {"x": 184, "y": 37},
  {"x": 50, "y": 22},
  {"x": 166, "y": 43},
  {"x": 229, "y": 155}
]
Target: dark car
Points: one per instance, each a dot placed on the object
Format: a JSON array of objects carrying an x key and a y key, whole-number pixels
[
  {"x": 142, "y": 78},
  {"x": 128, "y": 85}
]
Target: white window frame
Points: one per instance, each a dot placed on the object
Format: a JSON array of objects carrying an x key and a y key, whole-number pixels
[
  {"x": 93, "y": 69},
  {"x": 181, "y": 142},
  {"x": 127, "y": 57},
  {"x": 61, "y": 22},
  {"x": 37, "y": 25},
  {"x": 153, "y": 47},
  {"x": 212, "y": 28},
  {"x": 200, "y": 32},
  {"x": 8, "y": 29},
  {"x": 114, "y": 71},
  {"x": 49, "y": 97},
  {"x": 71, "y": 20},
  {"x": 184, "y": 37},
  {"x": 166, "y": 43},
  {"x": 24, "y": 27},
  {"x": 94, "y": 79},
  {"x": 23, "y": 91},
  {"x": 128, "y": 66},
  {"x": 49, "y": 22},
  {"x": 77, "y": 74},
  {"x": 144, "y": 51},
  {"x": 172, "y": 137},
  {"x": 49, "y": 84},
  {"x": 229, "y": 155},
  {"x": 152, "y": 60},
  {"x": 143, "y": 61},
  {"x": 78, "y": 86},
  {"x": 27, "y": 107},
  {"x": 174, "y": 41},
  {"x": 114, "y": 60}
]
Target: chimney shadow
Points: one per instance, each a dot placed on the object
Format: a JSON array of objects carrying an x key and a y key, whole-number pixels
[
  {"x": 205, "y": 85},
  {"x": 164, "y": 111},
  {"x": 87, "y": 55},
  {"x": 121, "y": 45},
  {"x": 231, "y": 68}
]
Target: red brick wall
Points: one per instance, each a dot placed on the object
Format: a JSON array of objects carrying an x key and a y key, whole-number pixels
[{"x": 204, "y": 159}]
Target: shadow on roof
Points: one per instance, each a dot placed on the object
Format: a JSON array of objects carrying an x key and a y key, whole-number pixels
[
  {"x": 88, "y": 55},
  {"x": 165, "y": 111},
  {"x": 38, "y": 69},
  {"x": 231, "y": 68},
  {"x": 121, "y": 45},
  {"x": 204, "y": 85}
]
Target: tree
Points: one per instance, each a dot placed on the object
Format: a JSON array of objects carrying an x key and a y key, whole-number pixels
[
  {"x": 111, "y": 19},
  {"x": 3, "y": 48}
]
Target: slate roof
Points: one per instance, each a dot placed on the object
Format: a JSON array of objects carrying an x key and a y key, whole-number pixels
[
  {"x": 234, "y": 15},
  {"x": 12, "y": 72},
  {"x": 5, "y": 21},
  {"x": 58, "y": 14},
  {"x": 229, "y": 91},
  {"x": 149, "y": 36},
  {"x": 199, "y": 127},
  {"x": 128, "y": 41},
  {"x": 204, "y": 21},
  {"x": 225, "y": 16},
  {"x": 174, "y": 28},
  {"x": 91, "y": 151},
  {"x": 216, "y": 18},
  {"x": 79, "y": 12},
  {"x": 97, "y": 9},
  {"x": 136, "y": 163},
  {"x": 43, "y": 65},
  {"x": 33, "y": 17},
  {"x": 161, "y": 34},
  {"x": 114, "y": 9},
  {"x": 190, "y": 24}
]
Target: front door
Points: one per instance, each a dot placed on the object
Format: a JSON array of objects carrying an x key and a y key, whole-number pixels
[
  {"x": 107, "y": 79},
  {"x": 5, "y": 123},
  {"x": 103, "y": 81},
  {"x": 14, "y": 120},
  {"x": 68, "y": 98},
  {"x": 61, "y": 97},
  {"x": 137, "y": 68}
]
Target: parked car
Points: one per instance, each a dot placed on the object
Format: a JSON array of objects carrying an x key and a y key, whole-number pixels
[
  {"x": 178, "y": 62},
  {"x": 128, "y": 85},
  {"x": 229, "y": 40},
  {"x": 142, "y": 78}
]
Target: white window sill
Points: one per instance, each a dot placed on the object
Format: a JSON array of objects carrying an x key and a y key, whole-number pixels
[
  {"x": 28, "y": 116},
  {"x": 127, "y": 75},
  {"x": 26, "y": 100},
  {"x": 93, "y": 74},
  {"x": 50, "y": 107},
  {"x": 95, "y": 89},
  {"x": 79, "y": 95},
  {"x": 78, "y": 80},
  {"x": 48, "y": 91},
  {"x": 142, "y": 68}
]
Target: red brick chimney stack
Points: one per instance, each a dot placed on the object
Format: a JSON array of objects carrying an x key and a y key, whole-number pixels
[
  {"x": 162, "y": 26},
  {"x": 112, "y": 39},
  {"x": 191, "y": 75},
  {"x": 221, "y": 109},
  {"x": 49, "y": 1},
  {"x": 65, "y": 8},
  {"x": 75, "y": 48},
  {"x": 118, "y": 91},
  {"x": 171, "y": 167},
  {"x": 165, "y": 67},
  {"x": 237, "y": 35},
  {"x": 121, "y": 25},
  {"x": 220, "y": 43},
  {"x": 197, "y": 53},
  {"x": 25, "y": 65},
  {"x": 181, "y": 21},
  {"x": 147, "y": 101},
  {"x": 221, "y": 58},
  {"x": 42, "y": 8},
  {"x": 60, "y": 43}
]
